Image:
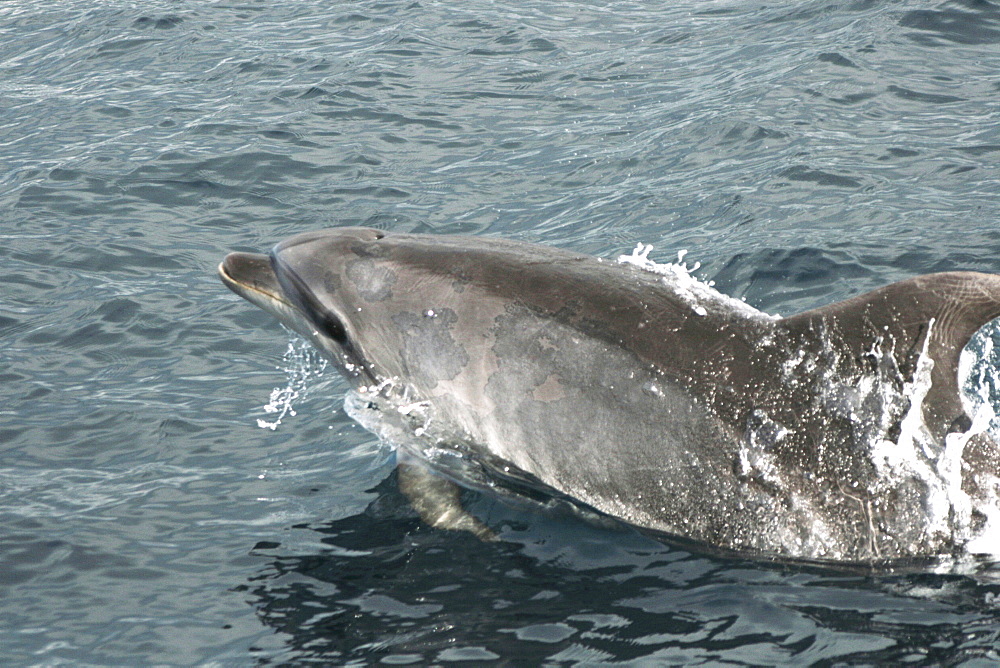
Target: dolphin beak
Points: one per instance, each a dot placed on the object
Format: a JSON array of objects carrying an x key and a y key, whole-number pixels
[{"x": 250, "y": 276}]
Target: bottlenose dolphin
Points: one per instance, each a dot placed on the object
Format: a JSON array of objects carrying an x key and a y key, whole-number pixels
[{"x": 658, "y": 400}]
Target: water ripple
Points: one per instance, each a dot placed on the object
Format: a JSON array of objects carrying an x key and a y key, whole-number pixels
[{"x": 801, "y": 153}]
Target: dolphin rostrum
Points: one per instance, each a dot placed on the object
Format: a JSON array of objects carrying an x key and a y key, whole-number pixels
[{"x": 838, "y": 433}]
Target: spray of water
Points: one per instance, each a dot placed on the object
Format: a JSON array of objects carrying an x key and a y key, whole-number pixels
[
  {"x": 699, "y": 294},
  {"x": 302, "y": 365}
]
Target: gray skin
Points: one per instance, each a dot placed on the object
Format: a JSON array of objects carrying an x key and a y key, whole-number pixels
[{"x": 680, "y": 413}]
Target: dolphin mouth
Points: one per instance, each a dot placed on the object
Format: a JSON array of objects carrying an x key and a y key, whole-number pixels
[
  {"x": 250, "y": 276},
  {"x": 265, "y": 282}
]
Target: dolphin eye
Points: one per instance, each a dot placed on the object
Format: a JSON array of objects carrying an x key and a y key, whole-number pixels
[{"x": 333, "y": 327}]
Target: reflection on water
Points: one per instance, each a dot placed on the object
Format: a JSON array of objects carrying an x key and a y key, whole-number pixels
[{"x": 561, "y": 590}]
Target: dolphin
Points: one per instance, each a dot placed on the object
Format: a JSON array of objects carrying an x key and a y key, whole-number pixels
[{"x": 830, "y": 434}]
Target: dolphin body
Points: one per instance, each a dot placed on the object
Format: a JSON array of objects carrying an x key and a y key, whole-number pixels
[{"x": 661, "y": 402}]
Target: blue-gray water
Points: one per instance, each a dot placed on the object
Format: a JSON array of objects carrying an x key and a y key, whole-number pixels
[{"x": 802, "y": 152}]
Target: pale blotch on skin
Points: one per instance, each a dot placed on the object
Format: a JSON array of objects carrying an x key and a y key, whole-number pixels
[
  {"x": 550, "y": 390},
  {"x": 372, "y": 280}
]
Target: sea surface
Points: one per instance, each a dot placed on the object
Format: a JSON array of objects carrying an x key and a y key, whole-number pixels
[{"x": 801, "y": 152}]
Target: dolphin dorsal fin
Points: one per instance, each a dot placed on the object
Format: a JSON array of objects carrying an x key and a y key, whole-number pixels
[{"x": 950, "y": 306}]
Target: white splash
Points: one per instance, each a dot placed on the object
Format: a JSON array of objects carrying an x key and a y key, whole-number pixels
[
  {"x": 916, "y": 455},
  {"x": 302, "y": 365},
  {"x": 701, "y": 296}
]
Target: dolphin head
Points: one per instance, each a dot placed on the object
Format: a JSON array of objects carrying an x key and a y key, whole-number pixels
[
  {"x": 301, "y": 283},
  {"x": 438, "y": 315}
]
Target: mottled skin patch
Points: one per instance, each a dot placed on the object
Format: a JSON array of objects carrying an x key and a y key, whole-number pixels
[
  {"x": 653, "y": 459},
  {"x": 372, "y": 280},
  {"x": 331, "y": 283},
  {"x": 430, "y": 352}
]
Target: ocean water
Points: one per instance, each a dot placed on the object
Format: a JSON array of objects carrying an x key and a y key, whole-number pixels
[{"x": 802, "y": 153}]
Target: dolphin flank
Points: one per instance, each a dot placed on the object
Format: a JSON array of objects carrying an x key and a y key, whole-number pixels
[{"x": 839, "y": 433}]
